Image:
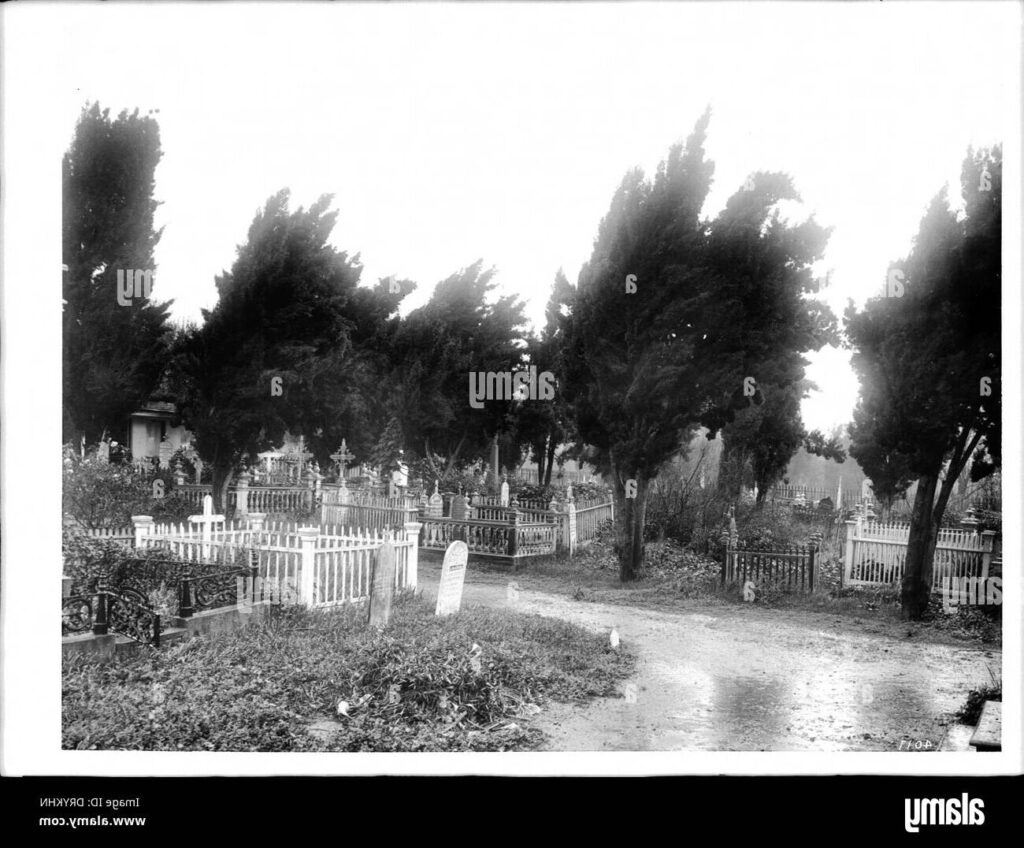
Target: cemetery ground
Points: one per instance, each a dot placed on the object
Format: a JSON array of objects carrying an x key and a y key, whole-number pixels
[
  {"x": 837, "y": 671},
  {"x": 322, "y": 680}
]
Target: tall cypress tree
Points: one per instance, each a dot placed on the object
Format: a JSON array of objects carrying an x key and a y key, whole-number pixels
[
  {"x": 928, "y": 353},
  {"x": 675, "y": 318},
  {"x": 115, "y": 345}
]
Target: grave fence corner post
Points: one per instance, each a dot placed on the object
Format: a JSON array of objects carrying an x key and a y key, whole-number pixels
[
  {"x": 412, "y": 534},
  {"x": 143, "y": 525},
  {"x": 852, "y": 532},
  {"x": 988, "y": 538},
  {"x": 242, "y": 495},
  {"x": 307, "y": 578}
]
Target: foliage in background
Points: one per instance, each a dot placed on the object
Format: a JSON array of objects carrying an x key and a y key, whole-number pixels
[
  {"x": 279, "y": 351},
  {"x": 113, "y": 354},
  {"x": 100, "y": 494}
]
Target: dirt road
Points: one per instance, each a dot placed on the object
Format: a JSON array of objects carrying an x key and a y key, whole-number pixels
[{"x": 737, "y": 678}]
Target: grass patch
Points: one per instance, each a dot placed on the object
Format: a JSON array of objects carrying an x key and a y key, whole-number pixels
[
  {"x": 673, "y": 574},
  {"x": 970, "y": 712},
  {"x": 418, "y": 686}
]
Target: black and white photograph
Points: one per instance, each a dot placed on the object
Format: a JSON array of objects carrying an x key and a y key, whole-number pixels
[{"x": 451, "y": 380}]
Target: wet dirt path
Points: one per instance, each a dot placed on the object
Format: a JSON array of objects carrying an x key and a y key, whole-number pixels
[{"x": 745, "y": 679}]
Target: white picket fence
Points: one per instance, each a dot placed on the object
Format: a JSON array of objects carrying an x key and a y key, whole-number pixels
[
  {"x": 589, "y": 518},
  {"x": 875, "y": 554},
  {"x": 318, "y": 566}
]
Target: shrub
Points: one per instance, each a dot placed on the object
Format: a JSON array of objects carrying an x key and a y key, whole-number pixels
[
  {"x": 970, "y": 712},
  {"x": 152, "y": 571},
  {"x": 100, "y": 494}
]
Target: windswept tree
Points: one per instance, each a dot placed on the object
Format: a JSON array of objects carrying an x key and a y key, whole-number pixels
[
  {"x": 542, "y": 425},
  {"x": 116, "y": 336},
  {"x": 278, "y": 352},
  {"x": 761, "y": 440},
  {"x": 927, "y": 352},
  {"x": 678, "y": 319},
  {"x": 439, "y": 349}
]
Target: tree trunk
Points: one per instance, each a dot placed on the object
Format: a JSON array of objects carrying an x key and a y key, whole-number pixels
[
  {"x": 552, "y": 446},
  {"x": 917, "y": 569},
  {"x": 222, "y": 477},
  {"x": 925, "y": 522},
  {"x": 540, "y": 451},
  {"x": 630, "y": 514}
]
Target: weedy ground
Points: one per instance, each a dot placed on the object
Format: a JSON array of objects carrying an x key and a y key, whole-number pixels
[{"x": 419, "y": 685}]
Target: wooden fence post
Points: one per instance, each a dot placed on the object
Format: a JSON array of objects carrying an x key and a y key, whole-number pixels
[
  {"x": 852, "y": 531},
  {"x": 513, "y": 532},
  {"x": 412, "y": 533},
  {"x": 988, "y": 538},
  {"x": 307, "y": 579},
  {"x": 570, "y": 509}
]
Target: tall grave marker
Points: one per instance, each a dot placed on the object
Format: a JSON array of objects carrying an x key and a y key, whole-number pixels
[
  {"x": 453, "y": 577},
  {"x": 382, "y": 586}
]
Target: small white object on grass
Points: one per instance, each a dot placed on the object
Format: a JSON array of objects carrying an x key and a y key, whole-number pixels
[
  {"x": 343, "y": 708},
  {"x": 615, "y": 637}
]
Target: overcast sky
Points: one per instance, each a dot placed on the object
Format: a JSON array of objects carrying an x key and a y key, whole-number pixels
[{"x": 452, "y": 133}]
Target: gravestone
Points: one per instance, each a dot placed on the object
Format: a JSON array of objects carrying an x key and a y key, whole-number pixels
[
  {"x": 459, "y": 505},
  {"x": 198, "y": 464},
  {"x": 206, "y": 521},
  {"x": 435, "y": 504},
  {"x": 382, "y": 586},
  {"x": 504, "y": 493},
  {"x": 165, "y": 454},
  {"x": 453, "y": 576},
  {"x": 865, "y": 490}
]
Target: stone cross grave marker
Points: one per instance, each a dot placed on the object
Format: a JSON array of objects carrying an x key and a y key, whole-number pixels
[
  {"x": 435, "y": 504},
  {"x": 504, "y": 493},
  {"x": 382, "y": 587},
  {"x": 453, "y": 576},
  {"x": 206, "y": 522},
  {"x": 341, "y": 458}
]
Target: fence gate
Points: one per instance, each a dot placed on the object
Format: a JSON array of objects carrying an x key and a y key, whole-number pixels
[{"x": 790, "y": 569}]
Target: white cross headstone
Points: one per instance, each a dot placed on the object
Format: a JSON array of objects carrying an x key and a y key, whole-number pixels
[
  {"x": 435, "y": 504},
  {"x": 206, "y": 522}
]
